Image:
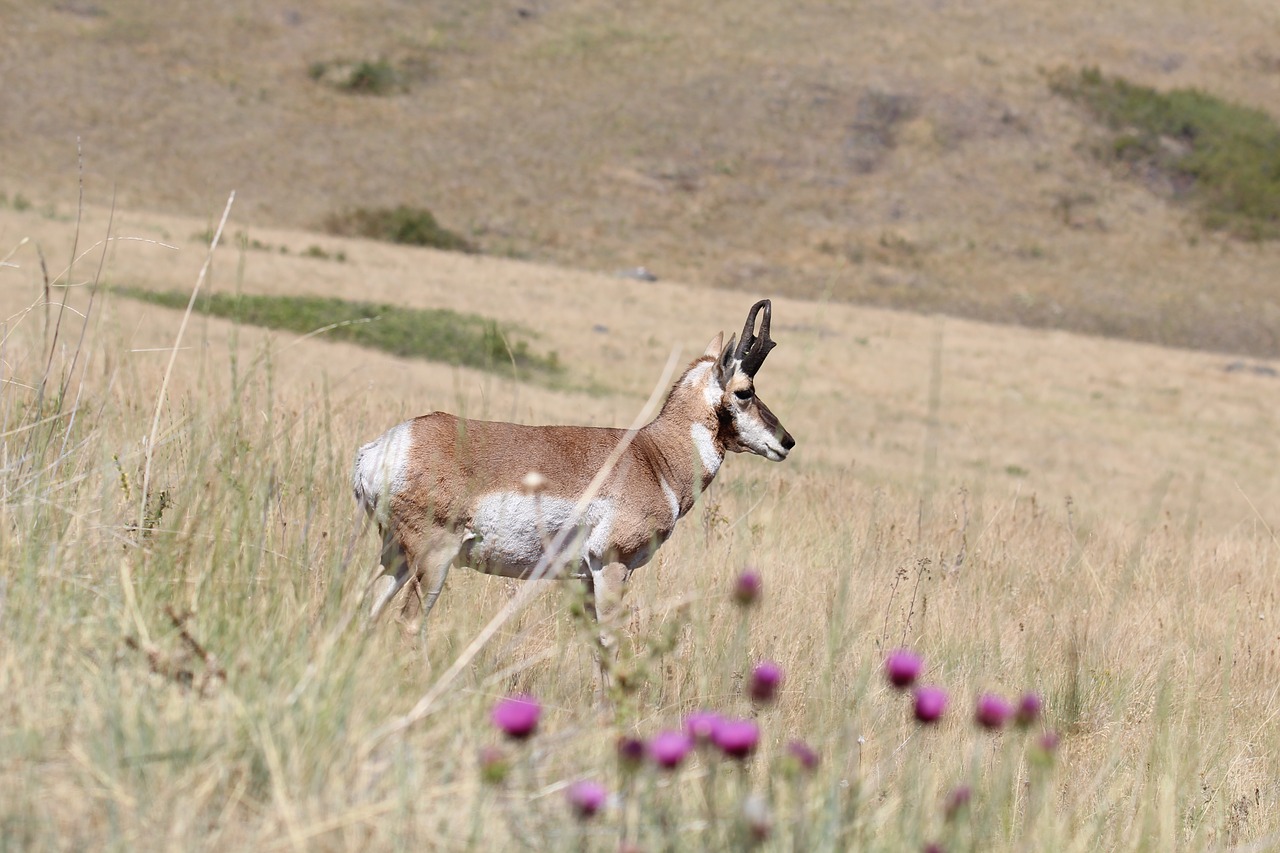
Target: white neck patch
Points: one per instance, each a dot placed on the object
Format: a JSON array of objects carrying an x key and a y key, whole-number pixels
[
  {"x": 706, "y": 445},
  {"x": 711, "y": 390}
]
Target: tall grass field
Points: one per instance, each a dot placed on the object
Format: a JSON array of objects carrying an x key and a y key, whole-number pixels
[{"x": 184, "y": 665}]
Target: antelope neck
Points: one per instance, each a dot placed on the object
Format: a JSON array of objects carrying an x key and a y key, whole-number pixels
[{"x": 682, "y": 442}]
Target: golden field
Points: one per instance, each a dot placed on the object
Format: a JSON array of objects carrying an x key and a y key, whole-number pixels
[{"x": 1030, "y": 510}]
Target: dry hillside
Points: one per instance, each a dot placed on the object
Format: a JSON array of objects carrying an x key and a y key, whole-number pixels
[{"x": 885, "y": 153}]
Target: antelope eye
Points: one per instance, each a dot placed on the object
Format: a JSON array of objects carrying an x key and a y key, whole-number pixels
[{"x": 744, "y": 393}]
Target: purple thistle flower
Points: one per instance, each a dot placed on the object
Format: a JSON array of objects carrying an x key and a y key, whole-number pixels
[
  {"x": 930, "y": 703},
  {"x": 1043, "y": 750},
  {"x": 992, "y": 711},
  {"x": 586, "y": 798},
  {"x": 517, "y": 716},
  {"x": 1048, "y": 742},
  {"x": 494, "y": 765},
  {"x": 668, "y": 749},
  {"x": 902, "y": 667},
  {"x": 737, "y": 738},
  {"x": 934, "y": 847},
  {"x": 630, "y": 752},
  {"x": 765, "y": 679},
  {"x": 746, "y": 589},
  {"x": 700, "y": 726},
  {"x": 957, "y": 800},
  {"x": 803, "y": 755},
  {"x": 1029, "y": 707}
]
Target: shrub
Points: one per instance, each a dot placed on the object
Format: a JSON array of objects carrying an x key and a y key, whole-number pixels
[
  {"x": 19, "y": 202},
  {"x": 365, "y": 77},
  {"x": 372, "y": 78},
  {"x": 1223, "y": 155},
  {"x": 413, "y": 226}
]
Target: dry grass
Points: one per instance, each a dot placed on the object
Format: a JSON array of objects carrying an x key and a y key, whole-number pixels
[
  {"x": 1086, "y": 518},
  {"x": 885, "y": 153}
]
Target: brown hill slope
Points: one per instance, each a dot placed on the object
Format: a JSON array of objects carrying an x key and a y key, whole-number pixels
[{"x": 903, "y": 154}]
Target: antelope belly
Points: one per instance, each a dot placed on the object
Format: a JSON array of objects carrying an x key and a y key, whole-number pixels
[{"x": 512, "y": 529}]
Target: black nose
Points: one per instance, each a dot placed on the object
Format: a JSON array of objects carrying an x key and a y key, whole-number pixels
[{"x": 787, "y": 441}]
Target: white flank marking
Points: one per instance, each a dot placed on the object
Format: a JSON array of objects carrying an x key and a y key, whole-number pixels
[
  {"x": 600, "y": 514},
  {"x": 672, "y": 500},
  {"x": 706, "y": 449},
  {"x": 510, "y": 530},
  {"x": 381, "y": 470}
]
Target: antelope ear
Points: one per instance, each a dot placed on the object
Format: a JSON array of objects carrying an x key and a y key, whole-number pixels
[
  {"x": 727, "y": 364},
  {"x": 713, "y": 348}
]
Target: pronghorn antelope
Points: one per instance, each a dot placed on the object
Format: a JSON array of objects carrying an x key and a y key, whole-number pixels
[{"x": 446, "y": 491}]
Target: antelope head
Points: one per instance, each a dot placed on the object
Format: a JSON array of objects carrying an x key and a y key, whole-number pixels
[{"x": 746, "y": 424}]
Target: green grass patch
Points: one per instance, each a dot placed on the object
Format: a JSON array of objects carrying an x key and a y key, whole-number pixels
[
  {"x": 1224, "y": 156},
  {"x": 244, "y": 242},
  {"x": 320, "y": 253},
  {"x": 434, "y": 334},
  {"x": 412, "y": 226}
]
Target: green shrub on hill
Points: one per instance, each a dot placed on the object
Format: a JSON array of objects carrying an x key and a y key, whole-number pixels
[
  {"x": 365, "y": 77},
  {"x": 413, "y": 226},
  {"x": 1223, "y": 155}
]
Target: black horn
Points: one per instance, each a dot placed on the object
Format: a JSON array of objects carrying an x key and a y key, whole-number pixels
[{"x": 752, "y": 349}]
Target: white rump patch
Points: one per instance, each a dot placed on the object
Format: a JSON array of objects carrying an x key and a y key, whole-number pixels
[
  {"x": 381, "y": 471},
  {"x": 706, "y": 444}
]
